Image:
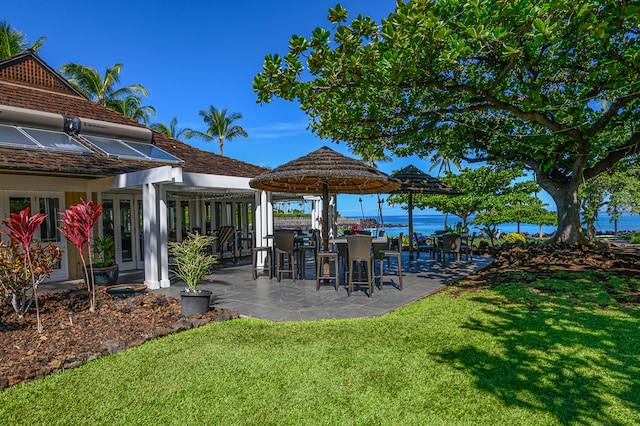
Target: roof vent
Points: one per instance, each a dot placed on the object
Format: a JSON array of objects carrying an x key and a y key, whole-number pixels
[
  {"x": 31, "y": 118},
  {"x": 87, "y": 126}
]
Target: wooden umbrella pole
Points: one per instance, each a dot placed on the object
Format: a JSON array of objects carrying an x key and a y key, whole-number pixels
[
  {"x": 325, "y": 226},
  {"x": 410, "y": 206}
]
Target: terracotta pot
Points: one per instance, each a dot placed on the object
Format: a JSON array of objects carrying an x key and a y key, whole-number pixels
[{"x": 194, "y": 302}]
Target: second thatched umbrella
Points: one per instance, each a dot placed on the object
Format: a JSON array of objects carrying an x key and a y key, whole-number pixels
[
  {"x": 415, "y": 181},
  {"x": 325, "y": 171}
]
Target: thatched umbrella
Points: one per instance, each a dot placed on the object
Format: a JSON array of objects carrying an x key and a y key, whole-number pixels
[
  {"x": 325, "y": 171},
  {"x": 413, "y": 180}
]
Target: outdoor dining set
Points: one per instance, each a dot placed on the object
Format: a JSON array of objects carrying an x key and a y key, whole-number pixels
[{"x": 355, "y": 261}]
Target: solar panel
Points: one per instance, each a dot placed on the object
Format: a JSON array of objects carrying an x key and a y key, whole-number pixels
[
  {"x": 153, "y": 151},
  {"x": 113, "y": 147},
  {"x": 121, "y": 148},
  {"x": 10, "y": 135},
  {"x": 57, "y": 141}
]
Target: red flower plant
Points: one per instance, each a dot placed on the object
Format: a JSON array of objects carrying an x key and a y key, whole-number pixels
[
  {"x": 22, "y": 228},
  {"x": 77, "y": 225}
]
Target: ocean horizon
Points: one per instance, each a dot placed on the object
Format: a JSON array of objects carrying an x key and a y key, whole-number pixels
[{"x": 428, "y": 223}]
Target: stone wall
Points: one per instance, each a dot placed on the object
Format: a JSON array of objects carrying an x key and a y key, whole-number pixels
[{"x": 305, "y": 222}]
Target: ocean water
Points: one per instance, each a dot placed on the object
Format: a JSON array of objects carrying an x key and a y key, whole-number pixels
[{"x": 427, "y": 224}]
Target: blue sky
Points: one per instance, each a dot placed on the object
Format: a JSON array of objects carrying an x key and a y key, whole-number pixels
[{"x": 193, "y": 54}]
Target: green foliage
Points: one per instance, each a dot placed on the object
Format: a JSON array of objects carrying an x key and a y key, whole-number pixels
[
  {"x": 191, "y": 260},
  {"x": 18, "y": 279},
  {"x": 616, "y": 189},
  {"x": 220, "y": 126},
  {"x": 504, "y": 82},
  {"x": 13, "y": 42},
  {"x": 104, "y": 251},
  {"x": 514, "y": 237},
  {"x": 104, "y": 88},
  {"x": 635, "y": 238}
]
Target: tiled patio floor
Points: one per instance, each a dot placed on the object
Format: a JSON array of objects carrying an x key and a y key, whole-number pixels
[{"x": 264, "y": 298}]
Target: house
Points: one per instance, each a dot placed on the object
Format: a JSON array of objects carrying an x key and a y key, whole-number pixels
[{"x": 57, "y": 146}]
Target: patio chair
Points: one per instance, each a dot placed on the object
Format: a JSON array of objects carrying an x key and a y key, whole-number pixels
[
  {"x": 285, "y": 251},
  {"x": 467, "y": 247},
  {"x": 425, "y": 245},
  {"x": 227, "y": 241},
  {"x": 382, "y": 253},
  {"x": 312, "y": 245},
  {"x": 360, "y": 257},
  {"x": 451, "y": 244}
]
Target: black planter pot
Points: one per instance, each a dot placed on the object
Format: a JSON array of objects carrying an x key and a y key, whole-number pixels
[
  {"x": 194, "y": 302},
  {"x": 107, "y": 275}
]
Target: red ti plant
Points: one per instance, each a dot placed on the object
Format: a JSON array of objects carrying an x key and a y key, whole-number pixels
[
  {"x": 77, "y": 225},
  {"x": 22, "y": 227}
]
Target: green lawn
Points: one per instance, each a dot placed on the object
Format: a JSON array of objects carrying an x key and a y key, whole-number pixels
[{"x": 558, "y": 351}]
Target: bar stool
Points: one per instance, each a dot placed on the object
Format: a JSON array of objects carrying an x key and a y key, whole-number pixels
[
  {"x": 267, "y": 265},
  {"x": 320, "y": 260},
  {"x": 391, "y": 254},
  {"x": 285, "y": 249},
  {"x": 360, "y": 257}
]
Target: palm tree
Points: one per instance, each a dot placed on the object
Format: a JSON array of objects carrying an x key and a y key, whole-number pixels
[
  {"x": 132, "y": 108},
  {"x": 171, "y": 130},
  {"x": 102, "y": 89},
  {"x": 220, "y": 125},
  {"x": 13, "y": 42}
]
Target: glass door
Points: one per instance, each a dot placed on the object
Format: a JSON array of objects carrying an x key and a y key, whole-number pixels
[
  {"x": 48, "y": 204},
  {"x": 118, "y": 221}
]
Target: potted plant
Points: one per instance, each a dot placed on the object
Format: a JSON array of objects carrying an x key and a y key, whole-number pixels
[
  {"x": 105, "y": 269},
  {"x": 191, "y": 263}
]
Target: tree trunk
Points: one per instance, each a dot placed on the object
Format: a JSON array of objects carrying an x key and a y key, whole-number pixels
[{"x": 565, "y": 195}]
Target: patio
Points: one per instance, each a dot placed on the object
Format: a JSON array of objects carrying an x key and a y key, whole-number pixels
[{"x": 286, "y": 300}]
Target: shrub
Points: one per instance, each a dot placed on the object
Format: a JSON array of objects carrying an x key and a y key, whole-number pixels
[
  {"x": 635, "y": 239},
  {"x": 191, "y": 261},
  {"x": 515, "y": 238}
]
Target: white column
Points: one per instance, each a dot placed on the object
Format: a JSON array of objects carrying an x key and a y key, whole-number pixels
[
  {"x": 149, "y": 225},
  {"x": 163, "y": 237},
  {"x": 263, "y": 214}
]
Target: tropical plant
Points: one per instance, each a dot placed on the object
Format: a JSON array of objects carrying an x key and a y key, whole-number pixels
[
  {"x": 170, "y": 130},
  {"x": 13, "y": 42},
  {"x": 480, "y": 188},
  {"x": 104, "y": 251},
  {"x": 514, "y": 237},
  {"x": 17, "y": 281},
  {"x": 132, "y": 107},
  {"x": 77, "y": 225},
  {"x": 616, "y": 189},
  {"x": 514, "y": 83},
  {"x": 191, "y": 260},
  {"x": 22, "y": 229},
  {"x": 101, "y": 88},
  {"x": 219, "y": 126}
]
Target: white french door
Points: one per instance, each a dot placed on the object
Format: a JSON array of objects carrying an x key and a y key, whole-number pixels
[
  {"x": 50, "y": 204},
  {"x": 122, "y": 218}
]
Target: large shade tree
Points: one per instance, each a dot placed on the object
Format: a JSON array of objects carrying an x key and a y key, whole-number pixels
[
  {"x": 512, "y": 82},
  {"x": 13, "y": 41},
  {"x": 220, "y": 126}
]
